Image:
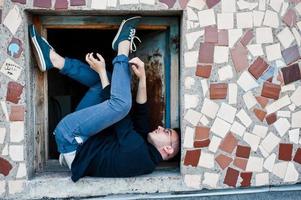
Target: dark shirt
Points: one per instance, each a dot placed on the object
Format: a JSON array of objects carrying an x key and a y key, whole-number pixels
[{"x": 121, "y": 150}]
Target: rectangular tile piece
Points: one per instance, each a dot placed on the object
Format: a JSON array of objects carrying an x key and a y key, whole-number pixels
[
  {"x": 201, "y": 133},
  {"x": 296, "y": 119},
  {"x": 14, "y": 91},
  {"x": 291, "y": 54},
  {"x": 206, "y": 160},
  {"x": 258, "y": 67},
  {"x": 282, "y": 125},
  {"x": 296, "y": 96},
  {"x": 61, "y": 4},
  {"x": 285, "y": 152},
  {"x": 271, "y": 90},
  {"x": 201, "y": 143},
  {"x": 291, "y": 73},
  {"x": 247, "y": 37},
  {"x": 223, "y": 38},
  {"x": 246, "y": 81},
  {"x": 188, "y": 137},
  {"x": 218, "y": 90},
  {"x": 77, "y": 2},
  {"x": 231, "y": 177},
  {"x": 239, "y": 57},
  {"x": 243, "y": 151},
  {"x": 42, "y": 3},
  {"x": 211, "y": 34},
  {"x": 223, "y": 161},
  {"x": 203, "y": 70},
  {"x": 220, "y": 127},
  {"x": 255, "y": 164},
  {"x": 241, "y": 163},
  {"x": 192, "y": 157},
  {"x": 273, "y": 52},
  {"x": 264, "y": 35},
  {"x": 249, "y": 100},
  {"x": 206, "y": 17},
  {"x": 238, "y": 128},
  {"x": 232, "y": 93},
  {"x": 225, "y": 20},
  {"x": 246, "y": 179},
  {"x": 252, "y": 140},
  {"x": 229, "y": 143},
  {"x": 227, "y": 112},
  {"x": 209, "y": 108},
  {"x": 17, "y": 113},
  {"x": 270, "y": 142},
  {"x": 206, "y": 52},
  {"x": 244, "y": 117},
  {"x": 277, "y": 105}
]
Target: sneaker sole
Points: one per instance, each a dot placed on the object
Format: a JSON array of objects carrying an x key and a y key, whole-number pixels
[
  {"x": 37, "y": 51},
  {"x": 120, "y": 28}
]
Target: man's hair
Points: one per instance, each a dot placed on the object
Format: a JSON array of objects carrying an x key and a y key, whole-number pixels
[{"x": 177, "y": 146}]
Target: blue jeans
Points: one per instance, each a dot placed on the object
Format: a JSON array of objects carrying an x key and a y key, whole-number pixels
[{"x": 94, "y": 114}]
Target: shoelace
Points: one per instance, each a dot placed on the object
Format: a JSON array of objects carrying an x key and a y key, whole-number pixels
[{"x": 132, "y": 36}]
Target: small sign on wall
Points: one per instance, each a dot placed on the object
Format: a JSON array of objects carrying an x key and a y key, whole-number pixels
[{"x": 11, "y": 69}]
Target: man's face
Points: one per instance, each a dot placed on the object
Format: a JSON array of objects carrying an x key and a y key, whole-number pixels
[{"x": 162, "y": 137}]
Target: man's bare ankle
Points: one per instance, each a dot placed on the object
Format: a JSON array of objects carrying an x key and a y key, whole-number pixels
[{"x": 57, "y": 61}]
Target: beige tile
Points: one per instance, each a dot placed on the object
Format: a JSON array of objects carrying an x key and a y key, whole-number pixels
[
  {"x": 246, "y": 81},
  {"x": 197, "y": 4},
  {"x": 252, "y": 140},
  {"x": 211, "y": 179},
  {"x": 262, "y": 5},
  {"x": 228, "y": 6},
  {"x": 191, "y": 101},
  {"x": 192, "y": 116},
  {"x": 294, "y": 135},
  {"x": 16, "y": 131},
  {"x": 271, "y": 19},
  {"x": 191, "y": 15},
  {"x": 234, "y": 35},
  {"x": 2, "y": 187},
  {"x": 242, "y": 4},
  {"x": 273, "y": 52},
  {"x": 191, "y": 58},
  {"x": 262, "y": 179},
  {"x": 193, "y": 181},
  {"x": 206, "y": 17},
  {"x": 297, "y": 36},
  {"x": 221, "y": 54},
  {"x": 238, "y": 128},
  {"x": 16, "y": 186},
  {"x": 232, "y": 93},
  {"x": 298, "y": 8},
  {"x": 209, "y": 108},
  {"x": 189, "y": 137},
  {"x": 244, "y": 117},
  {"x": 264, "y": 35},
  {"x": 13, "y": 19},
  {"x": 249, "y": 99},
  {"x": 296, "y": 119},
  {"x": 225, "y": 21},
  {"x": 225, "y": 73},
  {"x": 227, "y": 112},
  {"x": 296, "y": 96},
  {"x": 220, "y": 127},
  {"x": 260, "y": 130},
  {"x": 192, "y": 37},
  {"x": 16, "y": 152},
  {"x": 244, "y": 20},
  {"x": 269, "y": 162},
  {"x": 257, "y": 18},
  {"x": 286, "y": 37},
  {"x": 95, "y": 4},
  {"x": 189, "y": 82},
  {"x": 270, "y": 142},
  {"x": 282, "y": 125},
  {"x": 206, "y": 160},
  {"x": 2, "y": 134},
  {"x": 205, "y": 87},
  {"x": 21, "y": 171},
  {"x": 255, "y": 164}
]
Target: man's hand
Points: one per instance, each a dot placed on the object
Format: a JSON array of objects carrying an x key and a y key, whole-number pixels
[
  {"x": 138, "y": 67},
  {"x": 98, "y": 65}
]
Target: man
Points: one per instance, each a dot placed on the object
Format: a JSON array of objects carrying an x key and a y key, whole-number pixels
[{"x": 101, "y": 138}]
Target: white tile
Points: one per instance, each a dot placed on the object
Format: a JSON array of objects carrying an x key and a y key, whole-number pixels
[
  {"x": 297, "y": 36},
  {"x": 191, "y": 101},
  {"x": 206, "y": 17},
  {"x": 294, "y": 135},
  {"x": 244, "y": 20},
  {"x": 282, "y": 125},
  {"x": 206, "y": 160},
  {"x": 225, "y": 73},
  {"x": 257, "y": 18},
  {"x": 11, "y": 69},
  {"x": 232, "y": 93},
  {"x": 205, "y": 87},
  {"x": 16, "y": 131},
  {"x": 220, "y": 127},
  {"x": 270, "y": 142},
  {"x": 189, "y": 137},
  {"x": 2, "y": 187},
  {"x": 191, "y": 15},
  {"x": 193, "y": 117},
  {"x": 225, "y": 20},
  {"x": 211, "y": 179},
  {"x": 193, "y": 181},
  {"x": 286, "y": 37},
  {"x": 284, "y": 8},
  {"x": 262, "y": 4},
  {"x": 149, "y": 2},
  {"x": 254, "y": 164},
  {"x": 204, "y": 120},
  {"x": 209, "y": 108},
  {"x": 21, "y": 171},
  {"x": 262, "y": 179},
  {"x": 197, "y": 4},
  {"x": 291, "y": 174},
  {"x": 221, "y": 54},
  {"x": 260, "y": 130},
  {"x": 113, "y": 3},
  {"x": 128, "y": 2},
  {"x": 269, "y": 162},
  {"x": 282, "y": 113},
  {"x": 242, "y": 4},
  {"x": 16, "y": 152},
  {"x": 214, "y": 143},
  {"x": 5, "y": 150},
  {"x": 191, "y": 58},
  {"x": 13, "y": 20},
  {"x": 96, "y": 4},
  {"x": 249, "y": 99},
  {"x": 228, "y": 6},
  {"x": 4, "y": 110},
  {"x": 233, "y": 36},
  {"x": 289, "y": 87},
  {"x": 298, "y": 8},
  {"x": 255, "y": 49},
  {"x": 292, "y": 107},
  {"x": 2, "y": 134},
  {"x": 16, "y": 186},
  {"x": 296, "y": 119},
  {"x": 189, "y": 82},
  {"x": 280, "y": 169},
  {"x": 264, "y": 35},
  {"x": 263, "y": 151},
  {"x": 238, "y": 128},
  {"x": 246, "y": 81},
  {"x": 296, "y": 96},
  {"x": 273, "y": 52},
  {"x": 192, "y": 37},
  {"x": 252, "y": 140},
  {"x": 244, "y": 117},
  {"x": 271, "y": 19},
  {"x": 227, "y": 112},
  {"x": 278, "y": 104},
  {"x": 276, "y": 4},
  {"x": 299, "y": 24}
]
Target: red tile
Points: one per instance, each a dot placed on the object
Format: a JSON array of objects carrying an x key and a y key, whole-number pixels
[
  {"x": 243, "y": 151},
  {"x": 192, "y": 157},
  {"x": 247, "y": 37},
  {"x": 240, "y": 163},
  {"x": 271, "y": 118},
  {"x": 297, "y": 157},
  {"x": 218, "y": 90},
  {"x": 231, "y": 177},
  {"x": 14, "y": 91},
  {"x": 77, "y": 2},
  {"x": 239, "y": 56},
  {"x": 263, "y": 101},
  {"x": 17, "y": 113},
  {"x": 206, "y": 53},
  {"x": 222, "y": 38},
  {"x": 246, "y": 179},
  {"x": 201, "y": 143},
  {"x": 61, "y": 4},
  {"x": 271, "y": 90},
  {"x": 290, "y": 18},
  {"x": 201, "y": 133},
  {"x": 211, "y": 3},
  {"x": 211, "y": 34},
  {"x": 291, "y": 73},
  {"x": 223, "y": 161},
  {"x": 291, "y": 54},
  {"x": 260, "y": 114},
  {"x": 169, "y": 3},
  {"x": 203, "y": 70},
  {"x": 5, "y": 166},
  {"x": 42, "y": 3},
  {"x": 183, "y": 3},
  {"x": 285, "y": 152},
  {"x": 229, "y": 143},
  {"x": 19, "y": 1},
  {"x": 258, "y": 67}
]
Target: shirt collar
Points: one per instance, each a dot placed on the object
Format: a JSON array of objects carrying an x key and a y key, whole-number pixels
[{"x": 154, "y": 153}]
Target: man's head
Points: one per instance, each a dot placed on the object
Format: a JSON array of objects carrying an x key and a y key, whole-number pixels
[{"x": 167, "y": 141}]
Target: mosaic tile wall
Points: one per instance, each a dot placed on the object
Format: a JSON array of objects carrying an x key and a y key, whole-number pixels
[{"x": 241, "y": 92}]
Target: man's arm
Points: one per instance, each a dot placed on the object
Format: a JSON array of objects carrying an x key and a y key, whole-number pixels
[{"x": 138, "y": 68}]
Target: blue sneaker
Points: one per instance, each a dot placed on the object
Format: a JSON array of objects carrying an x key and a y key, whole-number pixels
[
  {"x": 127, "y": 31},
  {"x": 41, "y": 49}
]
